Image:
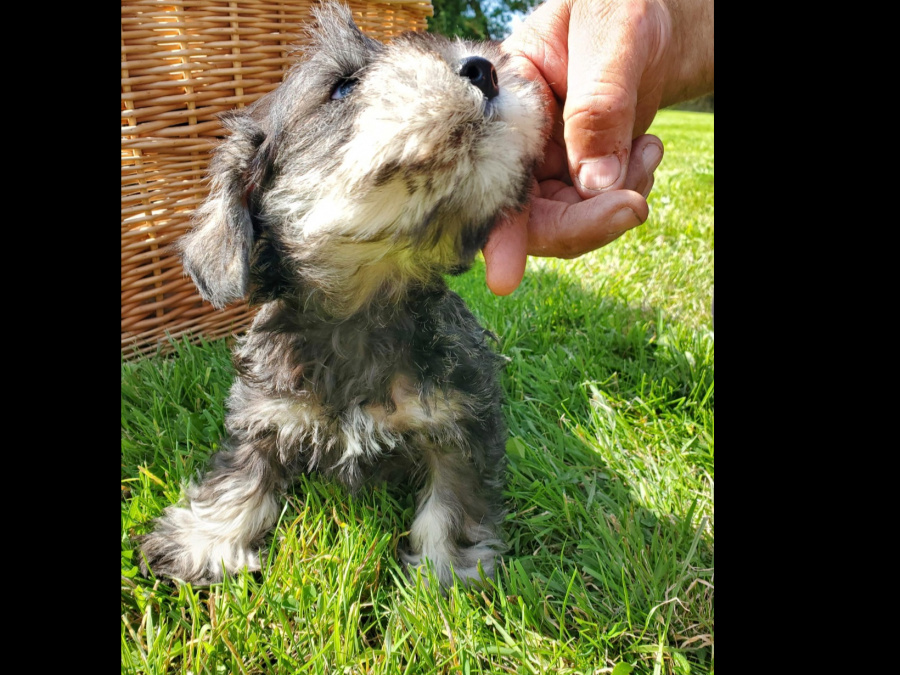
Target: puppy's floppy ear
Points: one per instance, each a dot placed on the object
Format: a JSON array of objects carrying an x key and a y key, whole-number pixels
[{"x": 216, "y": 252}]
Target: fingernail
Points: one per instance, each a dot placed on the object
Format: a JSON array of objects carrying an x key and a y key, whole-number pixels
[
  {"x": 652, "y": 156},
  {"x": 599, "y": 174},
  {"x": 624, "y": 220}
]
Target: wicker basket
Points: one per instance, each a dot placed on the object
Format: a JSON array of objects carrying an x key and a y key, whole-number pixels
[{"x": 183, "y": 63}]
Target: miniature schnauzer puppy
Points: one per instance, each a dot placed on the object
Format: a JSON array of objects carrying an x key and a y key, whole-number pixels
[{"x": 339, "y": 202}]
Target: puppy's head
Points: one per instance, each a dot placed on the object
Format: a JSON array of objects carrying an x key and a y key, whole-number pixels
[{"x": 371, "y": 168}]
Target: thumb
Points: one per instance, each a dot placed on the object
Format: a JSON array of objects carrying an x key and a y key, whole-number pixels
[{"x": 607, "y": 57}]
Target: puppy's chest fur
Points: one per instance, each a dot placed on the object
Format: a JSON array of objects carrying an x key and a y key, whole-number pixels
[{"x": 370, "y": 396}]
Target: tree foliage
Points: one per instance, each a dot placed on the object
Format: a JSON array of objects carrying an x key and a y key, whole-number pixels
[{"x": 476, "y": 19}]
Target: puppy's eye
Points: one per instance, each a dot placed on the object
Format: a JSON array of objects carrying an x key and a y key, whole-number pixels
[{"x": 343, "y": 88}]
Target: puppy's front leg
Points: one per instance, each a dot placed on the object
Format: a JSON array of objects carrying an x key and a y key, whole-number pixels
[
  {"x": 458, "y": 518},
  {"x": 222, "y": 520}
]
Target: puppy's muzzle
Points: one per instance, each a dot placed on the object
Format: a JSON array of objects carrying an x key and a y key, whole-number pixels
[{"x": 482, "y": 74}]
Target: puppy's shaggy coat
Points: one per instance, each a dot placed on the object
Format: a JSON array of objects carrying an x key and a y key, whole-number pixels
[{"x": 340, "y": 201}]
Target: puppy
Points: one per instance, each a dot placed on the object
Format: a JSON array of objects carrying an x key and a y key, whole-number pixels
[{"x": 339, "y": 202}]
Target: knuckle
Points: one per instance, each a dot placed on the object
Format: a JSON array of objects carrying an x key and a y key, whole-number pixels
[{"x": 609, "y": 106}]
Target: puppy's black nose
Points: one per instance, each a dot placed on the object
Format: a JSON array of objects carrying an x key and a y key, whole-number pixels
[{"x": 481, "y": 73}]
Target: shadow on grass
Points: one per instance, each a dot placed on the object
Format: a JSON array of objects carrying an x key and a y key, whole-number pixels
[{"x": 610, "y": 409}]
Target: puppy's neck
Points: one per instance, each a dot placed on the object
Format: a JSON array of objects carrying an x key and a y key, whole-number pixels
[{"x": 371, "y": 276}]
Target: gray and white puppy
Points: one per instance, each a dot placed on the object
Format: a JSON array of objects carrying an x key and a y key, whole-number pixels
[{"x": 339, "y": 202}]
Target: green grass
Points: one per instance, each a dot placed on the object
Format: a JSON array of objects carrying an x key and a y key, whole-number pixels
[{"x": 611, "y": 415}]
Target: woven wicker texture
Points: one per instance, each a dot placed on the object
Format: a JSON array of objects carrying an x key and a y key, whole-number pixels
[{"x": 183, "y": 63}]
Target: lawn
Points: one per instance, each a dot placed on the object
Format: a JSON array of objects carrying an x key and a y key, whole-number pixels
[{"x": 610, "y": 407}]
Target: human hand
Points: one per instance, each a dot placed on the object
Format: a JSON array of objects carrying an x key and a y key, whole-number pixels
[{"x": 607, "y": 67}]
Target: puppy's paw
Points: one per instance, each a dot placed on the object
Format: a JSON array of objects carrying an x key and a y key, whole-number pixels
[
  {"x": 190, "y": 554},
  {"x": 471, "y": 566}
]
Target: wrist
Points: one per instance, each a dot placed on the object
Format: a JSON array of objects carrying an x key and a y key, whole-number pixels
[{"x": 687, "y": 58}]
